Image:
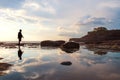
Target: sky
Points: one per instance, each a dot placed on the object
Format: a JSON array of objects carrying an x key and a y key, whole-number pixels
[{"x": 56, "y": 19}]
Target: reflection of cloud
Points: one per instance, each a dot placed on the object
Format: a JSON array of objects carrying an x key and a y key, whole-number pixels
[
  {"x": 90, "y": 61},
  {"x": 32, "y": 75},
  {"x": 85, "y": 66}
]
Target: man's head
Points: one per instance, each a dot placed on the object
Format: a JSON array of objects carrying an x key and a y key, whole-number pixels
[{"x": 20, "y": 30}]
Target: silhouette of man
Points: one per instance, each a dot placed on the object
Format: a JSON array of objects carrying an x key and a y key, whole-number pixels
[
  {"x": 20, "y": 36},
  {"x": 20, "y": 52}
]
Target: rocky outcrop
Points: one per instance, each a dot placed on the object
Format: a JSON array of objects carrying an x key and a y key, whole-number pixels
[
  {"x": 49, "y": 43},
  {"x": 70, "y": 47},
  {"x": 96, "y": 37}
]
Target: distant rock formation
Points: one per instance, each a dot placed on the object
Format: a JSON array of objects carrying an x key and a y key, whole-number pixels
[{"x": 99, "y": 35}]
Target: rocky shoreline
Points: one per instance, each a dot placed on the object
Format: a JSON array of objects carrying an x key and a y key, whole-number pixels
[{"x": 103, "y": 46}]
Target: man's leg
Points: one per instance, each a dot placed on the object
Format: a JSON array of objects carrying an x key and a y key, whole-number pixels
[{"x": 19, "y": 42}]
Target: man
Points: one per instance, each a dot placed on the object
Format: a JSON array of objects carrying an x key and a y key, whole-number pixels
[{"x": 20, "y": 36}]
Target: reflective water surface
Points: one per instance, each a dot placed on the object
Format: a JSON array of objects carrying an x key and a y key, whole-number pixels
[{"x": 55, "y": 64}]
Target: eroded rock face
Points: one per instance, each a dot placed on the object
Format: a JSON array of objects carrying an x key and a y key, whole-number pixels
[
  {"x": 49, "y": 43},
  {"x": 97, "y": 37}
]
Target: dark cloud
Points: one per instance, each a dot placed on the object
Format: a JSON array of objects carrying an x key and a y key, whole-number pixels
[{"x": 14, "y": 4}]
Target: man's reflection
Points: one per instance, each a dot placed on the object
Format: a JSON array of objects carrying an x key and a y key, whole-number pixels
[{"x": 20, "y": 52}]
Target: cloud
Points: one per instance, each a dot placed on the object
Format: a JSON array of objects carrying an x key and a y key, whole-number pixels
[
  {"x": 14, "y": 4},
  {"x": 110, "y": 4},
  {"x": 33, "y": 6},
  {"x": 72, "y": 31},
  {"x": 106, "y": 14},
  {"x": 40, "y": 8},
  {"x": 111, "y": 10},
  {"x": 85, "y": 24},
  {"x": 97, "y": 21},
  {"x": 19, "y": 16},
  {"x": 31, "y": 11}
]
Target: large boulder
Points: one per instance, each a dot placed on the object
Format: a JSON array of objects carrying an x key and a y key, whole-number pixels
[
  {"x": 49, "y": 43},
  {"x": 70, "y": 47}
]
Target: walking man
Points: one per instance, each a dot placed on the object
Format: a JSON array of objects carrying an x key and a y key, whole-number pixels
[{"x": 20, "y": 36}]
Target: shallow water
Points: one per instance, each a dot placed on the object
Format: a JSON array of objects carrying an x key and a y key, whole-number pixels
[{"x": 45, "y": 64}]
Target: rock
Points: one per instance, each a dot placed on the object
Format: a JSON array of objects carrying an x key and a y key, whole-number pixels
[
  {"x": 49, "y": 43},
  {"x": 70, "y": 45},
  {"x": 66, "y": 63}
]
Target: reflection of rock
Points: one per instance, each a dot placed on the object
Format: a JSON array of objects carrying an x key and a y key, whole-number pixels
[
  {"x": 1, "y": 58},
  {"x": 70, "y": 47},
  {"x": 3, "y": 67},
  {"x": 21, "y": 44},
  {"x": 49, "y": 43},
  {"x": 10, "y": 47},
  {"x": 66, "y": 63},
  {"x": 32, "y": 46},
  {"x": 100, "y": 52},
  {"x": 69, "y": 50}
]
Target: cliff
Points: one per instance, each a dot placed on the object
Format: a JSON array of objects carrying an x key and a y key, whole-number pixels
[{"x": 96, "y": 37}]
